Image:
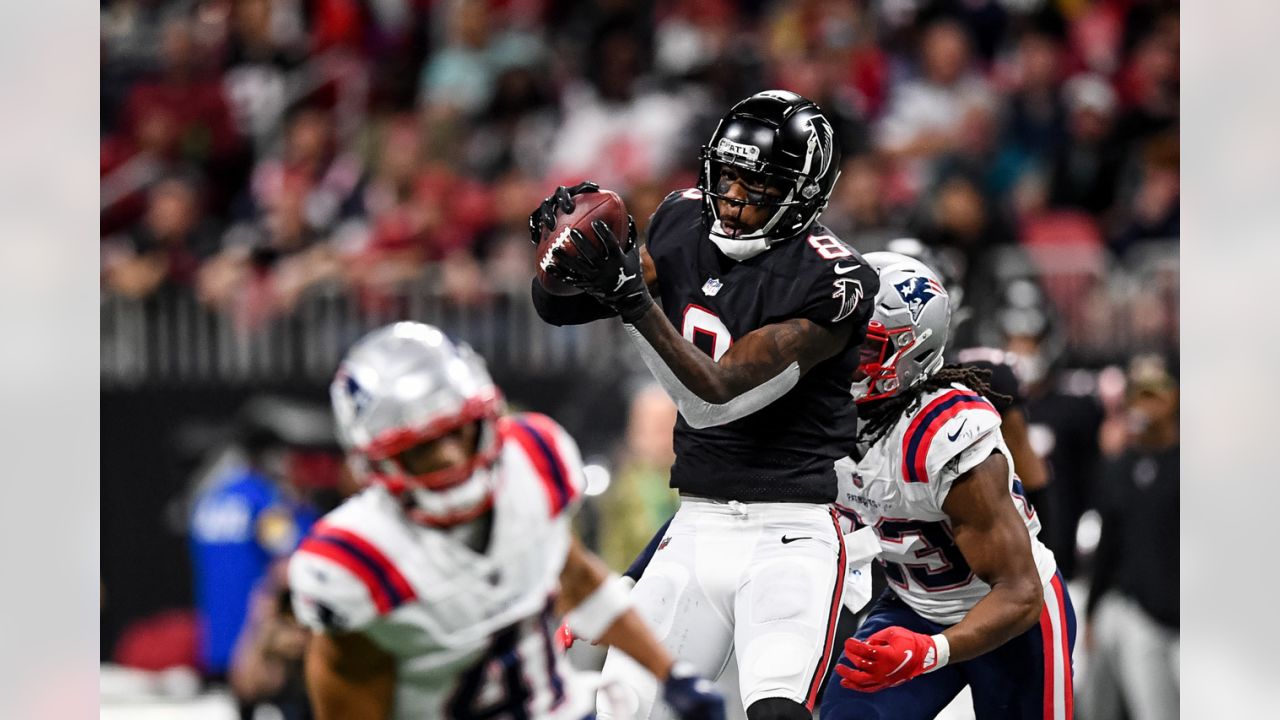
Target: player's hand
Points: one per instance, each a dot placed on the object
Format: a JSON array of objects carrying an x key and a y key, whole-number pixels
[
  {"x": 544, "y": 216},
  {"x": 605, "y": 272},
  {"x": 692, "y": 697},
  {"x": 890, "y": 657},
  {"x": 565, "y": 636}
]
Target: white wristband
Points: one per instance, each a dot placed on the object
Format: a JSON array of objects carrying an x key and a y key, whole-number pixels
[
  {"x": 943, "y": 647},
  {"x": 593, "y": 617}
]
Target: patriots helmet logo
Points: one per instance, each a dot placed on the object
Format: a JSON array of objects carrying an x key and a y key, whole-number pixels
[
  {"x": 917, "y": 291},
  {"x": 357, "y": 396}
]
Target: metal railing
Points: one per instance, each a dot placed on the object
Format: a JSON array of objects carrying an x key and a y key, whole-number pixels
[
  {"x": 172, "y": 338},
  {"x": 1108, "y": 309}
]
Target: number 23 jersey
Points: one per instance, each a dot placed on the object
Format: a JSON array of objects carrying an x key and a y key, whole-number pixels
[
  {"x": 471, "y": 632},
  {"x": 785, "y": 451},
  {"x": 900, "y": 484}
]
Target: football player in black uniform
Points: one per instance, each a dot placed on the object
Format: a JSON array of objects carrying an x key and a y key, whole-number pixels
[{"x": 762, "y": 311}]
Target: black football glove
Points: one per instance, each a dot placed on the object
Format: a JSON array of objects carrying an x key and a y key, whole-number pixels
[
  {"x": 611, "y": 276},
  {"x": 544, "y": 217}
]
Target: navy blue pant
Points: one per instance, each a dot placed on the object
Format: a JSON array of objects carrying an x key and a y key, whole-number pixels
[{"x": 1027, "y": 677}]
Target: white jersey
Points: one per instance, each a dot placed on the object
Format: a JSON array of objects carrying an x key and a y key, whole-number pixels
[
  {"x": 472, "y": 633},
  {"x": 898, "y": 489}
]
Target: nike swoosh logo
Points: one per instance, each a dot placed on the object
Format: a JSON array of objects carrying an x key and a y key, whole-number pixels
[
  {"x": 951, "y": 437},
  {"x": 786, "y": 540},
  {"x": 842, "y": 270},
  {"x": 903, "y": 664}
]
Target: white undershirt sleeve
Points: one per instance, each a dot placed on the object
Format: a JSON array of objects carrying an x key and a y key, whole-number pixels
[{"x": 698, "y": 412}]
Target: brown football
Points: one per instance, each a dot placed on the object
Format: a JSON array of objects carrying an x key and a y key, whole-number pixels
[{"x": 588, "y": 207}]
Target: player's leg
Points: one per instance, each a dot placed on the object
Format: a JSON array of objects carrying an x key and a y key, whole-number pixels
[
  {"x": 1030, "y": 676},
  {"x": 1102, "y": 695},
  {"x": 922, "y": 697},
  {"x": 786, "y": 609},
  {"x": 1146, "y": 658},
  {"x": 688, "y": 612}
]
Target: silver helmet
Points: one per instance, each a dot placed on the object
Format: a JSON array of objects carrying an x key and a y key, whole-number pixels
[
  {"x": 406, "y": 384},
  {"x": 908, "y": 328}
]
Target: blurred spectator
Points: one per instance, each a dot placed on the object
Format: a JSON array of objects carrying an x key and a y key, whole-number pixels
[
  {"x": 267, "y": 264},
  {"x": 515, "y": 129},
  {"x": 1148, "y": 84},
  {"x": 187, "y": 92},
  {"x": 506, "y": 249},
  {"x": 615, "y": 131},
  {"x": 1151, "y": 211},
  {"x": 247, "y": 519},
  {"x": 639, "y": 499},
  {"x": 1034, "y": 123},
  {"x": 311, "y": 161},
  {"x": 859, "y": 210},
  {"x": 1062, "y": 427},
  {"x": 478, "y": 45},
  {"x": 927, "y": 115},
  {"x": 1133, "y": 612},
  {"x": 959, "y": 216},
  {"x": 175, "y": 120},
  {"x": 1086, "y": 170},
  {"x": 165, "y": 248},
  {"x": 266, "y": 43}
]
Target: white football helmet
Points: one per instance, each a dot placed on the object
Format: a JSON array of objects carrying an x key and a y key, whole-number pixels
[
  {"x": 406, "y": 384},
  {"x": 908, "y": 328}
]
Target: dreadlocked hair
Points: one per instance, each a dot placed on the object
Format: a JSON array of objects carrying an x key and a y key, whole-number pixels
[{"x": 881, "y": 415}]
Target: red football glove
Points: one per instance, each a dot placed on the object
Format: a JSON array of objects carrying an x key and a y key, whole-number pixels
[
  {"x": 565, "y": 636},
  {"x": 890, "y": 657}
]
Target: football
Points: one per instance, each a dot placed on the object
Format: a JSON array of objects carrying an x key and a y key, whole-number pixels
[{"x": 588, "y": 207}]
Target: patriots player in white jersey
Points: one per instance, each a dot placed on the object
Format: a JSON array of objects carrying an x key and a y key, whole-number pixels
[
  {"x": 974, "y": 597},
  {"x": 432, "y": 591}
]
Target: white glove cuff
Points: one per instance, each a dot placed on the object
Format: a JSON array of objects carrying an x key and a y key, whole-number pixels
[
  {"x": 943, "y": 647},
  {"x": 593, "y": 617}
]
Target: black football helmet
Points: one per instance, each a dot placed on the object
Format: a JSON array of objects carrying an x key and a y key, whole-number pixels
[{"x": 784, "y": 141}]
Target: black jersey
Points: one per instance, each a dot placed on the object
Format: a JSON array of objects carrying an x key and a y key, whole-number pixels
[
  {"x": 785, "y": 451},
  {"x": 1003, "y": 380}
]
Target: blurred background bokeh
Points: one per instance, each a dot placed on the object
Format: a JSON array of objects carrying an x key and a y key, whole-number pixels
[{"x": 280, "y": 176}]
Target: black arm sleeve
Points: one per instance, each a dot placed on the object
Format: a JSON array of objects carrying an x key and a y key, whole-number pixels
[
  {"x": 642, "y": 560},
  {"x": 568, "y": 310}
]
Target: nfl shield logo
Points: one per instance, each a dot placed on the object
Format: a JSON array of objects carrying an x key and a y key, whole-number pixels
[{"x": 711, "y": 287}]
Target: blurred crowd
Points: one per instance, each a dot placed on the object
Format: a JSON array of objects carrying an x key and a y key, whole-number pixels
[{"x": 255, "y": 150}]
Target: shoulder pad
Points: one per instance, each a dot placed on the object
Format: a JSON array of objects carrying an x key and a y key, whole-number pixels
[
  {"x": 553, "y": 455},
  {"x": 341, "y": 580},
  {"x": 947, "y": 424}
]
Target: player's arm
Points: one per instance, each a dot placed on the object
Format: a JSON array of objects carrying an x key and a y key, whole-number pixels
[
  {"x": 349, "y": 677},
  {"x": 1029, "y": 465},
  {"x": 993, "y": 539},
  {"x": 597, "y": 608},
  {"x": 757, "y": 369}
]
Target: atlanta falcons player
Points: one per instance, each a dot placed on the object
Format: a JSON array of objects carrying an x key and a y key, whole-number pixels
[
  {"x": 974, "y": 597},
  {"x": 762, "y": 311},
  {"x": 432, "y": 591}
]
